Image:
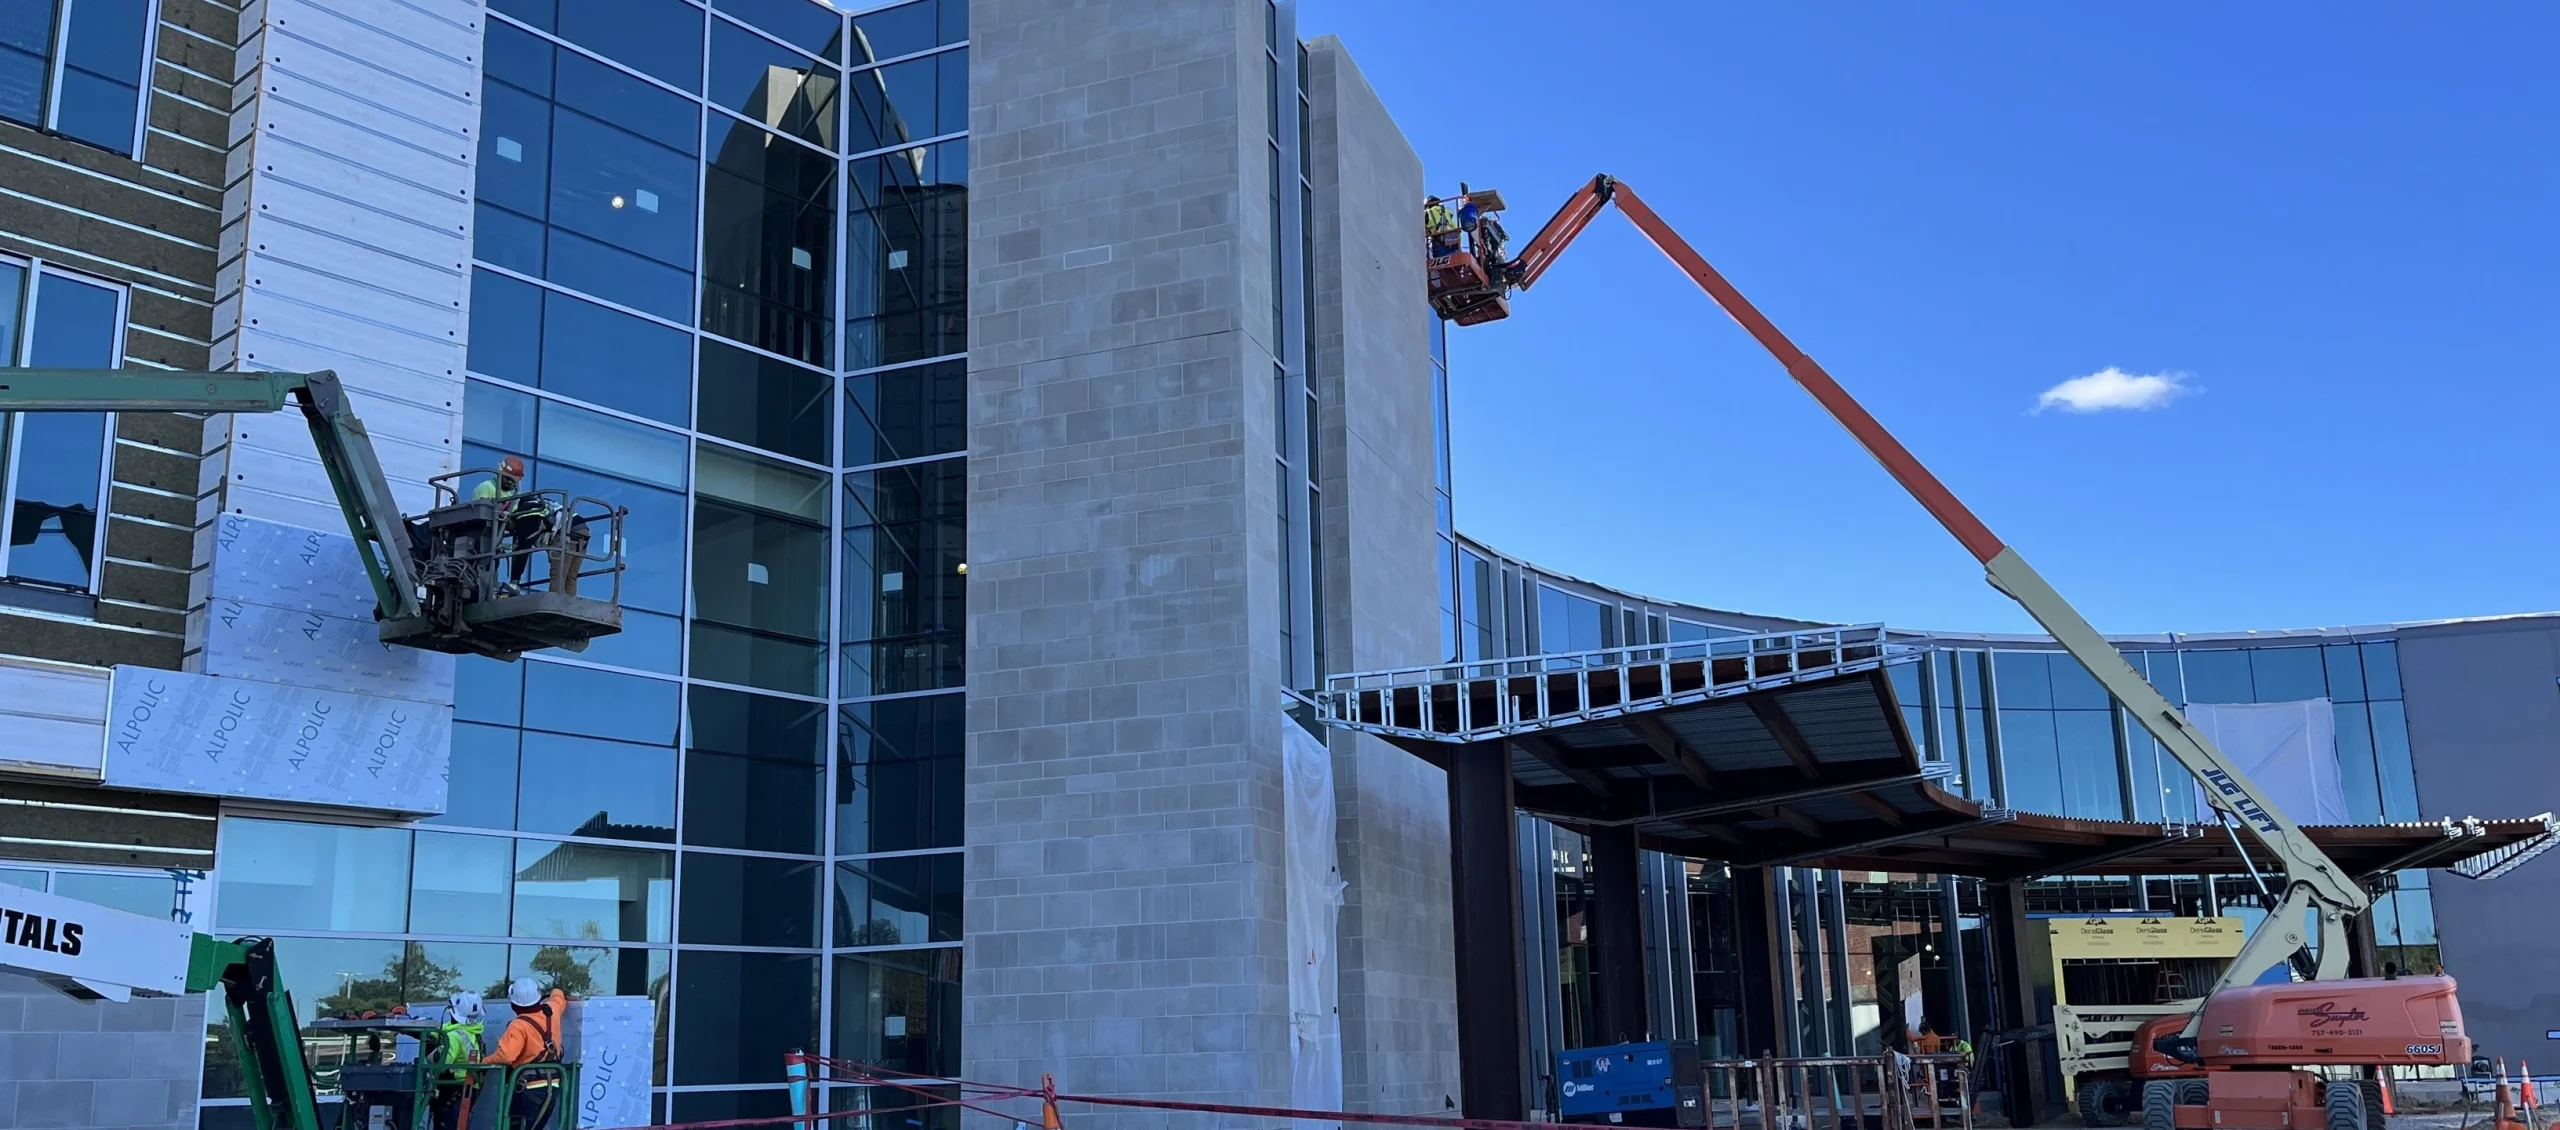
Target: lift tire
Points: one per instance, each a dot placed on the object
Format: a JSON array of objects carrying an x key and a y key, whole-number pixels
[
  {"x": 2345, "y": 1106},
  {"x": 2374, "y": 1118},
  {"x": 2160, "y": 1105},
  {"x": 2194, "y": 1092},
  {"x": 2105, "y": 1102}
]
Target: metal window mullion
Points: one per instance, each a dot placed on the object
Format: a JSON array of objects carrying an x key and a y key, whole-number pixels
[
  {"x": 143, "y": 85},
  {"x": 59, "y": 58}
]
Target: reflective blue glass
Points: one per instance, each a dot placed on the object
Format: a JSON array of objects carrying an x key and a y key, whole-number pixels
[
  {"x": 506, "y": 329},
  {"x": 898, "y": 776},
  {"x": 2022, "y": 679},
  {"x": 900, "y": 900},
  {"x": 2288, "y": 674},
  {"x": 2218, "y": 676},
  {"x": 906, "y": 413},
  {"x": 754, "y": 772},
  {"x": 2356, "y": 770},
  {"x": 592, "y": 892},
  {"x": 487, "y": 690},
  {"x": 599, "y": 704},
  {"x": 575, "y": 786},
  {"x": 607, "y": 357},
  {"x": 903, "y": 30},
  {"x": 773, "y": 84},
  {"x": 737, "y": 900},
  {"x": 900, "y": 1009},
  {"x": 2346, "y": 672},
  {"x": 648, "y": 641},
  {"x": 905, "y": 543},
  {"x": 499, "y": 418},
  {"x": 626, "y": 103},
  {"x": 2074, "y": 688},
  {"x": 2391, "y": 759},
  {"x": 480, "y": 789},
  {"x": 2092, "y": 782},
  {"x": 806, "y": 24},
  {"x": 769, "y": 236},
  {"x": 653, "y": 540},
  {"x": 460, "y": 884},
  {"x": 26, "y": 42},
  {"x": 102, "y": 73},
  {"x": 2030, "y": 761},
  {"x": 758, "y": 400},
  {"x": 2382, "y": 669},
  {"x": 516, "y": 57},
  {"x": 2161, "y": 669},
  {"x": 660, "y": 38},
  {"x": 742, "y": 1013}
]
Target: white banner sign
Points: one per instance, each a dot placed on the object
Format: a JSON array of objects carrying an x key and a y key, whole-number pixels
[
  {"x": 2288, "y": 749},
  {"x": 175, "y": 732},
  {"x": 109, "y": 950}
]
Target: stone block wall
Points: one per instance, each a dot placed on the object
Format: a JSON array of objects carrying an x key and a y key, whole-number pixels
[{"x": 97, "y": 1065}]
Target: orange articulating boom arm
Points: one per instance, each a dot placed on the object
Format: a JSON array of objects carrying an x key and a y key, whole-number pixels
[{"x": 2312, "y": 881}]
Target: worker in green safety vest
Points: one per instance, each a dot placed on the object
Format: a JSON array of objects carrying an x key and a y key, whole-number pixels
[
  {"x": 457, "y": 1044},
  {"x": 526, "y": 520}
]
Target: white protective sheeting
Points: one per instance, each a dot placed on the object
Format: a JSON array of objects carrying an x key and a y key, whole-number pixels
[
  {"x": 609, "y": 1038},
  {"x": 1315, "y": 906},
  {"x": 2288, "y": 749}
]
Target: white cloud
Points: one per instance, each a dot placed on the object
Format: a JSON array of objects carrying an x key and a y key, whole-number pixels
[{"x": 2112, "y": 388}]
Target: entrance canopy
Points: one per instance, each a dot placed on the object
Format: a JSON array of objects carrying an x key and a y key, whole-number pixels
[{"x": 1788, "y": 748}]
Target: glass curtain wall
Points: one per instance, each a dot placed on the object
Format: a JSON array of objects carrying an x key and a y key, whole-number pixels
[{"x": 720, "y": 280}]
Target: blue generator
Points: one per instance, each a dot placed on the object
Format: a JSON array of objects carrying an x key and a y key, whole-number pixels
[{"x": 1653, "y": 1084}]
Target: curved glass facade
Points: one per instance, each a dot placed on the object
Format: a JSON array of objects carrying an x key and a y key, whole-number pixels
[{"x": 2018, "y": 724}]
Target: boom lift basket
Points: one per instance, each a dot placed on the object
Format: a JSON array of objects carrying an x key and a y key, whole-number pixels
[{"x": 515, "y": 573}]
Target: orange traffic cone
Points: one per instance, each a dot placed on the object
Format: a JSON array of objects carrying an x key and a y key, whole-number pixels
[
  {"x": 2527, "y": 1071},
  {"x": 2386, "y": 1091},
  {"x": 1049, "y": 1104}
]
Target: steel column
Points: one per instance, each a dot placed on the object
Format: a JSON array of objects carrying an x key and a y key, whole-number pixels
[
  {"x": 1618, "y": 936},
  {"x": 1485, "y": 886}
]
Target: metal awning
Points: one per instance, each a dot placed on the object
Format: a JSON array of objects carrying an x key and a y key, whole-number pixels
[{"x": 1789, "y": 749}]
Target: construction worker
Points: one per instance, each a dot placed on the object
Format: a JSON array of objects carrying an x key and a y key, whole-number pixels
[
  {"x": 524, "y": 520},
  {"x": 1928, "y": 1042},
  {"x": 1489, "y": 240},
  {"x": 1439, "y": 228},
  {"x": 532, "y": 1039},
  {"x": 457, "y": 1043}
]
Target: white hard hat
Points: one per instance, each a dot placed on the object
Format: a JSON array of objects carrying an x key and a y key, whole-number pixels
[
  {"x": 463, "y": 1007},
  {"x": 524, "y": 993}
]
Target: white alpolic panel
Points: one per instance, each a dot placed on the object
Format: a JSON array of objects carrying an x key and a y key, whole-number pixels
[
  {"x": 289, "y": 605},
  {"x": 610, "y": 1038},
  {"x": 347, "y": 239},
  {"x": 53, "y": 716},
  {"x": 209, "y": 735},
  {"x": 1314, "y": 908}
]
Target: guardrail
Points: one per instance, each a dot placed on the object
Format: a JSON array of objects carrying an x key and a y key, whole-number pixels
[
  {"x": 1470, "y": 701},
  {"x": 1864, "y": 1092}
]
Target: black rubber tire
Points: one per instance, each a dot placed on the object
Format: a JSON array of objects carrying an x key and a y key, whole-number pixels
[
  {"x": 2345, "y": 1106},
  {"x": 2105, "y": 1102},
  {"x": 2160, "y": 1105},
  {"x": 2194, "y": 1092},
  {"x": 2374, "y": 1117}
]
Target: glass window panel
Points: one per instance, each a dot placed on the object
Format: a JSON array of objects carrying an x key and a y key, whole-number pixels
[
  {"x": 951, "y": 101},
  {"x": 277, "y": 875},
  {"x": 758, "y": 659},
  {"x": 515, "y": 143},
  {"x": 498, "y": 417},
  {"x": 1977, "y": 755},
  {"x": 26, "y": 42},
  {"x": 647, "y": 642},
  {"x": 754, "y": 772},
  {"x": 586, "y": 787},
  {"x": 907, "y": 260},
  {"x": 900, "y": 1010},
  {"x": 517, "y": 58},
  {"x": 2030, "y": 761},
  {"x": 742, "y": 1013},
  {"x": 13, "y": 293},
  {"x": 768, "y": 263},
  {"x": 2022, "y": 679},
  {"x": 628, "y": 194},
  {"x": 901, "y": 900},
  {"x": 898, "y": 779},
  {"x": 480, "y": 786},
  {"x": 60, "y": 459},
  {"x": 2092, "y": 782},
  {"x": 22, "y": 877},
  {"x": 2391, "y": 758},
  {"x": 322, "y": 977},
  {"x": 595, "y": 971},
  {"x": 2417, "y": 917},
  {"x": 741, "y": 900},
  {"x": 653, "y": 541},
  {"x": 891, "y": 32},
  {"x": 758, "y": 400},
  {"x": 580, "y": 263},
  {"x": 2074, "y": 688},
  {"x": 614, "y": 446},
  {"x": 660, "y": 38},
  {"x": 607, "y": 357},
  {"x": 153, "y": 895},
  {"x": 617, "y": 99},
  {"x": 507, "y": 240},
  {"x": 1906, "y": 685},
  {"x": 2356, "y": 773},
  {"x": 764, "y": 484},
  {"x": 590, "y": 891},
  {"x": 955, "y": 21},
  {"x": 599, "y": 704},
  {"x": 809, "y": 25},
  {"x": 2346, "y": 672},
  {"x": 906, "y": 413},
  {"x": 2165, "y": 676},
  {"x": 2382, "y": 669},
  {"x": 460, "y": 885},
  {"x": 102, "y": 72},
  {"x": 772, "y": 84},
  {"x": 506, "y": 330},
  {"x": 544, "y": 14},
  {"x": 2288, "y": 674},
  {"x": 487, "y": 690},
  {"x": 2218, "y": 676},
  {"x": 903, "y": 602}
]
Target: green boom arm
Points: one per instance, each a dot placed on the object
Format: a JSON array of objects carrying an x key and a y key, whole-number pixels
[
  {"x": 346, "y": 450},
  {"x": 263, "y": 1031}
]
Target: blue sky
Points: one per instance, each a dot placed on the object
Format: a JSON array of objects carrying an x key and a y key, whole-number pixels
[{"x": 2336, "y": 228}]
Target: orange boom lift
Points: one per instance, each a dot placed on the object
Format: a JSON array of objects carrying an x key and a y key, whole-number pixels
[{"x": 2258, "y": 1041}]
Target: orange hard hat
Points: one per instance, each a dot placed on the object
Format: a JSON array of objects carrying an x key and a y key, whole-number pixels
[{"x": 512, "y": 467}]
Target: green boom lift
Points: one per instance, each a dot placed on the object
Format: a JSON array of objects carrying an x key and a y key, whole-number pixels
[{"x": 446, "y": 581}]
